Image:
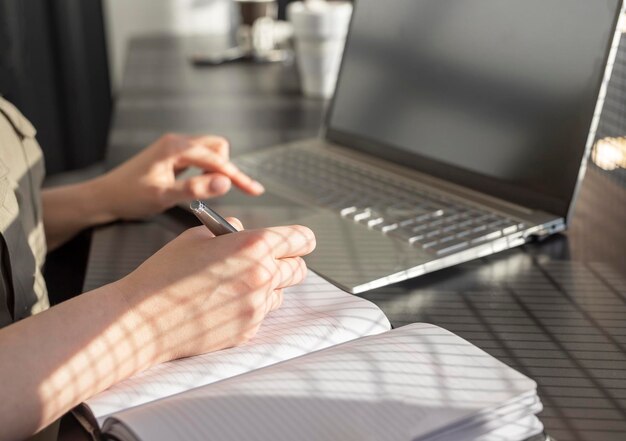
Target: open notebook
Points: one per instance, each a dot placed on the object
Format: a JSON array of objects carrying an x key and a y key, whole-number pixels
[
  {"x": 418, "y": 382},
  {"x": 314, "y": 315},
  {"x": 323, "y": 367}
]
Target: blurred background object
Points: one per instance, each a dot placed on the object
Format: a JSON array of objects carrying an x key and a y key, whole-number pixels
[
  {"x": 61, "y": 61},
  {"x": 252, "y": 10},
  {"x": 320, "y": 31},
  {"x": 127, "y": 19},
  {"x": 610, "y": 153},
  {"x": 54, "y": 67}
]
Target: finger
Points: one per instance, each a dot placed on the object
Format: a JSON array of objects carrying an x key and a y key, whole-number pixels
[
  {"x": 200, "y": 156},
  {"x": 173, "y": 144},
  {"x": 235, "y": 223},
  {"x": 276, "y": 300},
  {"x": 290, "y": 241},
  {"x": 290, "y": 271},
  {"x": 218, "y": 144},
  {"x": 200, "y": 233},
  {"x": 199, "y": 187}
]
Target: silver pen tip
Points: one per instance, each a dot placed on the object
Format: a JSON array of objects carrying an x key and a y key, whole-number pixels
[{"x": 195, "y": 205}]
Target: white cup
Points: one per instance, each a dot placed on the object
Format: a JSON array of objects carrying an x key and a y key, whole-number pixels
[{"x": 320, "y": 30}]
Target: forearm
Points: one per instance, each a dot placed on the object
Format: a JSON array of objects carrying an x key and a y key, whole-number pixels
[
  {"x": 57, "y": 359},
  {"x": 69, "y": 209}
]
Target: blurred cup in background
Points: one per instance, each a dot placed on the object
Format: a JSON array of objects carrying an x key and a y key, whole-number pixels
[
  {"x": 260, "y": 32},
  {"x": 251, "y": 10},
  {"x": 320, "y": 29}
]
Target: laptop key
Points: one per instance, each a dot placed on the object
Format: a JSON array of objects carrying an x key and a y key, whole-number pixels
[
  {"x": 483, "y": 236},
  {"x": 431, "y": 239},
  {"x": 374, "y": 221},
  {"x": 385, "y": 227},
  {"x": 360, "y": 215},
  {"x": 433, "y": 233},
  {"x": 497, "y": 225},
  {"x": 446, "y": 239},
  {"x": 348, "y": 210},
  {"x": 509, "y": 230},
  {"x": 450, "y": 228},
  {"x": 423, "y": 217},
  {"x": 428, "y": 244},
  {"x": 351, "y": 209},
  {"x": 406, "y": 222},
  {"x": 405, "y": 232},
  {"x": 449, "y": 247},
  {"x": 416, "y": 239},
  {"x": 404, "y": 211},
  {"x": 436, "y": 223},
  {"x": 405, "y": 235},
  {"x": 451, "y": 217}
]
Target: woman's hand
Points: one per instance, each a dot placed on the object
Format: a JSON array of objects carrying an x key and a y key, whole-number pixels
[
  {"x": 202, "y": 293},
  {"x": 197, "y": 294},
  {"x": 146, "y": 184}
]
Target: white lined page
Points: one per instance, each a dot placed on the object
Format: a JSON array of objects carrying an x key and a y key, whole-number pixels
[
  {"x": 414, "y": 383},
  {"x": 314, "y": 315}
]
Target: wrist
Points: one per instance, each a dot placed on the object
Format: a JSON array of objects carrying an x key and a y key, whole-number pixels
[
  {"x": 70, "y": 209},
  {"x": 99, "y": 200},
  {"x": 144, "y": 316}
]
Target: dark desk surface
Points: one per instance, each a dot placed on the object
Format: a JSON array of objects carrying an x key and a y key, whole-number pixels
[{"x": 554, "y": 310}]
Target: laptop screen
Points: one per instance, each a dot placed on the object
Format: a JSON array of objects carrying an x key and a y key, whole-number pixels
[{"x": 495, "y": 95}]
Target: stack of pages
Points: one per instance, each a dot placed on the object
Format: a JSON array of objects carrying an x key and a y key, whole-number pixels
[{"x": 325, "y": 366}]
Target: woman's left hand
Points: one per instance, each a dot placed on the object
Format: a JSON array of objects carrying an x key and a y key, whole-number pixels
[{"x": 146, "y": 184}]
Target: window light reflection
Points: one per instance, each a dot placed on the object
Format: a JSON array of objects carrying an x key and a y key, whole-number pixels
[{"x": 610, "y": 153}]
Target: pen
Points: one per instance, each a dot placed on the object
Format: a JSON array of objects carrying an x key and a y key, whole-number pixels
[{"x": 211, "y": 219}]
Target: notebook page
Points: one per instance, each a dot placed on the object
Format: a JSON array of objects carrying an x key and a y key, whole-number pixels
[
  {"x": 521, "y": 429},
  {"x": 314, "y": 315},
  {"x": 410, "y": 383},
  {"x": 517, "y": 421}
]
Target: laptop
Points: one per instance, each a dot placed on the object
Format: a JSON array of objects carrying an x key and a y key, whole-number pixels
[{"x": 458, "y": 129}]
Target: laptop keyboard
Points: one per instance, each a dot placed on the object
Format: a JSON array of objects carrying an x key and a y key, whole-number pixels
[{"x": 422, "y": 218}]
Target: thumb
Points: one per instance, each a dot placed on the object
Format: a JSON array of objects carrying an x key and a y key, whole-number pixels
[
  {"x": 235, "y": 223},
  {"x": 200, "y": 187}
]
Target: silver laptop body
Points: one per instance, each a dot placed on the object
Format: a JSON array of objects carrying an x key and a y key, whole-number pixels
[{"x": 457, "y": 130}]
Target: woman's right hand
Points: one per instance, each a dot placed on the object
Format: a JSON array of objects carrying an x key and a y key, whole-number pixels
[
  {"x": 201, "y": 293},
  {"x": 197, "y": 294}
]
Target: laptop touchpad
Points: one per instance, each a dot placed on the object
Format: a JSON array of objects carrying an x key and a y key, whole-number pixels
[
  {"x": 267, "y": 210},
  {"x": 349, "y": 255},
  {"x": 352, "y": 256}
]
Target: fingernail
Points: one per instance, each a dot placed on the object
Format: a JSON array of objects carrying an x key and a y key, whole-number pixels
[
  {"x": 257, "y": 187},
  {"x": 219, "y": 184}
]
